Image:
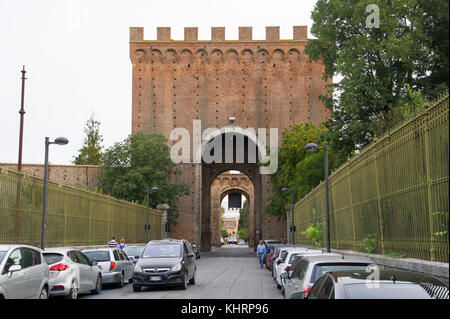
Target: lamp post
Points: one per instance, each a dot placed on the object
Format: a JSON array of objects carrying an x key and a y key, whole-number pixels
[
  {"x": 311, "y": 147},
  {"x": 147, "y": 225},
  {"x": 292, "y": 228},
  {"x": 57, "y": 141}
]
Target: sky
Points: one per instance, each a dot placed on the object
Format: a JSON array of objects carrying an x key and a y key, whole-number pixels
[{"x": 76, "y": 54}]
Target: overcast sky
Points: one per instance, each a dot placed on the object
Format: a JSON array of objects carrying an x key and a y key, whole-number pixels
[{"x": 76, "y": 54}]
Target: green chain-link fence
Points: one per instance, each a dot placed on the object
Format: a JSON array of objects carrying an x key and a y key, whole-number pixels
[
  {"x": 393, "y": 197},
  {"x": 75, "y": 217}
]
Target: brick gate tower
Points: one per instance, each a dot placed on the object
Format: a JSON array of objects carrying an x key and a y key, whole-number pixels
[{"x": 259, "y": 83}]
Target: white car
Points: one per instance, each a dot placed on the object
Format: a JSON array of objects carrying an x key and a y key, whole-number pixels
[
  {"x": 72, "y": 272},
  {"x": 282, "y": 254},
  {"x": 305, "y": 273},
  {"x": 24, "y": 274},
  {"x": 286, "y": 260}
]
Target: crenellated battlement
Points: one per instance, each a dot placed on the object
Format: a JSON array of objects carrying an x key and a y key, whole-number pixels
[{"x": 218, "y": 34}]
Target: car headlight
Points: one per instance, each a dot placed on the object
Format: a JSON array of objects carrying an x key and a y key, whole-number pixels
[
  {"x": 176, "y": 267},
  {"x": 137, "y": 268}
]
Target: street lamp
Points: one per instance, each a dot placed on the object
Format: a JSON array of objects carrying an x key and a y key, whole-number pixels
[
  {"x": 291, "y": 207},
  {"x": 311, "y": 147},
  {"x": 147, "y": 225},
  {"x": 57, "y": 141}
]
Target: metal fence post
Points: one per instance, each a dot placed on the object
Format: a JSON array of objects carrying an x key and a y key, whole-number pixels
[{"x": 380, "y": 212}]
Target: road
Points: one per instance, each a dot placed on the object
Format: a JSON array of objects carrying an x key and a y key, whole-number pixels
[{"x": 230, "y": 272}]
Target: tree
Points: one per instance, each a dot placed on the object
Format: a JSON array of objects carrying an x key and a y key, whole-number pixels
[
  {"x": 243, "y": 216},
  {"x": 91, "y": 151},
  {"x": 376, "y": 64},
  {"x": 224, "y": 233},
  {"x": 142, "y": 161},
  {"x": 297, "y": 167},
  {"x": 243, "y": 234}
]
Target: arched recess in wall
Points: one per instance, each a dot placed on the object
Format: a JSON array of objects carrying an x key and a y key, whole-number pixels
[
  {"x": 278, "y": 58},
  {"x": 140, "y": 55},
  {"x": 171, "y": 56},
  {"x": 293, "y": 56},
  {"x": 186, "y": 57},
  {"x": 247, "y": 56},
  {"x": 232, "y": 57},
  {"x": 263, "y": 56},
  {"x": 216, "y": 56},
  {"x": 156, "y": 57},
  {"x": 202, "y": 56}
]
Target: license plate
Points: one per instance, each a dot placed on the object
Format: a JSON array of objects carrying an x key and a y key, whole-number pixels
[{"x": 155, "y": 278}]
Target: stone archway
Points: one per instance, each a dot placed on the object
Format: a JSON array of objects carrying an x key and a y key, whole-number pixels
[{"x": 223, "y": 185}]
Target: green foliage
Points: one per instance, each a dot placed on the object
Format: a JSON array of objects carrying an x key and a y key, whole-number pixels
[
  {"x": 224, "y": 233},
  {"x": 395, "y": 254},
  {"x": 443, "y": 224},
  {"x": 314, "y": 232},
  {"x": 243, "y": 234},
  {"x": 243, "y": 216},
  {"x": 91, "y": 151},
  {"x": 298, "y": 168},
  {"x": 142, "y": 161},
  {"x": 377, "y": 66},
  {"x": 370, "y": 243}
]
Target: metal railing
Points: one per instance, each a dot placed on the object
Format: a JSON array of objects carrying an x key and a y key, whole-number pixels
[
  {"x": 75, "y": 217},
  {"x": 395, "y": 191}
]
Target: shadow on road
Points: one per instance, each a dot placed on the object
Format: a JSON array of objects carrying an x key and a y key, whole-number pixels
[{"x": 230, "y": 251}]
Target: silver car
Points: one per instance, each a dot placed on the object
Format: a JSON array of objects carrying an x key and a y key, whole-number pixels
[
  {"x": 304, "y": 274},
  {"x": 133, "y": 252},
  {"x": 23, "y": 273},
  {"x": 72, "y": 272},
  {"x": 114, "y": 264}
]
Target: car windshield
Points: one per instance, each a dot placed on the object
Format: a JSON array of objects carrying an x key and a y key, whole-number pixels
[
  {"x": 162, "y": 251},
  {"x": 386, "y": 291},
  {"x": 98, "y": 255},
  {"x": 133, "y": 251},
  {"x": 2, "y": 255},
  {"x": 320, "y": 269},
  {"x": 52, "y": 258}
]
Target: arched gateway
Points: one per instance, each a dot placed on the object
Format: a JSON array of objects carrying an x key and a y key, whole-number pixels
[{"x": 247, "y": 84}]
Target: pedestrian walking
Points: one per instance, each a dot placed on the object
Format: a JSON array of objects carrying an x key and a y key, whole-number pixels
[
  {"x": 122, "y": 244},
  {"x": 261, "y": 251},
  {"x": 112, "y": 243}
]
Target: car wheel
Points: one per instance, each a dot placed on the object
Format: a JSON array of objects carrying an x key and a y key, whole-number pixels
[
  {"x": 44, "y": 293},
  {"x": 98, "y": 286},
  {"x": 136, "y": 288},
  {"x": 282, "y": 292},
  {"x": 130, "y": 280},
  {"x": 278, "y": 286},
  {"x": 120, "y": 284},
  {"x": 73, "y": 293},
  {"x": 192, "y": 281},
  {"x": 185, "y": 283}
]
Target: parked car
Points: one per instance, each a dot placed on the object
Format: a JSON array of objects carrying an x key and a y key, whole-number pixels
[
  {"x": 276, "y": 254},
  {"x": 196, "y": 249},
  {"x": 310, "y": 268},
  {"x": 165, "y": 262},
  {"x": 24, "y": 273},
  {"x": 114, "y": 264},
  {"x": 242, "y": 242},
  {"x": 272, "y": 241},
  {"x": 384, "y": 284},
  {"x": 133, "y": 252},
  {"x": 268, "y": 255},
  {"x": 72, "y": 272},
  {"x": 283, "y": 264},
  {"x": 232, "y": 240},
  {"x": 280, "y": 255}
]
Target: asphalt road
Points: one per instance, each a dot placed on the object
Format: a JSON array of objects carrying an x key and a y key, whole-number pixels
[{"x": 230, "y": 272}]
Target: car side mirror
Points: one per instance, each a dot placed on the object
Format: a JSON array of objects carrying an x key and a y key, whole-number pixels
[
  {"x": 190, "y": 255},
  {"x": 278, "y": 262},
  {"x": 13, "y": 268},
  {"x": 94, "y": 263},
  {"x": 136, "y": 257},
  {"x": 297, "y": 295}
]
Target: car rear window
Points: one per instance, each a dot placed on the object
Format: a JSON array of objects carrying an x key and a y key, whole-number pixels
[
  {"x": 2, "y": 255},
  {"x": 320, "y": 269},
  {"x": 52, "y": 258},
  {"x": 385, "y": 291},
  {"x": 133, "y": 251},
  {"x": 162, "y": 251},
  {"x": 98, "y": 255}
]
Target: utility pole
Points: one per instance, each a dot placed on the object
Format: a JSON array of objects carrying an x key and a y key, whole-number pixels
[{"x": 22, "y": 113}]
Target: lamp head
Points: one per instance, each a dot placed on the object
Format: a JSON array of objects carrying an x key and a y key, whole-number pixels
[
  {"x": 311, "y": 147},
  {"x": 61, "y": 141},
  {"x": 231, "y": 119},
  {"x": 155, "y": 189},
  {"x": 284, "y": 190}
]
